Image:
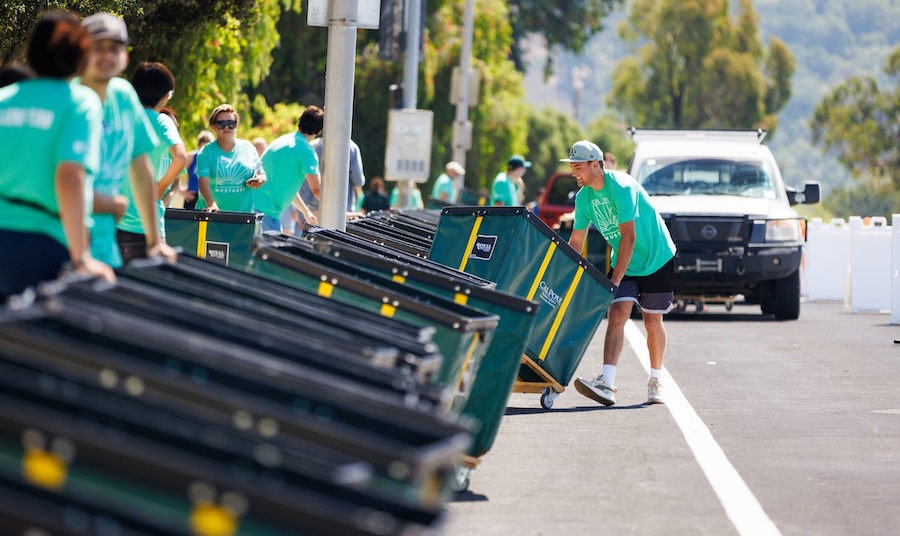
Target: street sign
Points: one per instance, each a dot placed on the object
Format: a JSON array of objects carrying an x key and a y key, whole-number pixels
[
  {"x": 368, "y": 13},
  {"x": 408, "y": 153}
]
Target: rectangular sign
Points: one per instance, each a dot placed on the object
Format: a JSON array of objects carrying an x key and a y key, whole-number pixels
[
  {"x": 368, "y": 14},
  {"x": 217, "y": 252},
  {"x": 408, "y": 152}
]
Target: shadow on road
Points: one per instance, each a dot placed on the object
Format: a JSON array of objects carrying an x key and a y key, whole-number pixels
[
  {"x": 576, "y": 409},
  {"x": 708, "y": 316},
  {"x": 468, "y": 496}
]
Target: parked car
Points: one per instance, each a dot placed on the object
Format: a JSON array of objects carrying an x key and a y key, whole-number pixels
[
  {"x": 729, "y": 212},
  {"x": 558, "y": 198}
]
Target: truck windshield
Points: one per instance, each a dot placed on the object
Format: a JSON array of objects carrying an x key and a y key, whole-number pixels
[{"x": 679, "y": 176}]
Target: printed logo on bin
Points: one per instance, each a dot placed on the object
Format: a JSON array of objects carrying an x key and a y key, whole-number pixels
[
  {"x": 483, "y": 248},
  {"x": 549, "y": 295},
  {"x": 217, "y": 252}
]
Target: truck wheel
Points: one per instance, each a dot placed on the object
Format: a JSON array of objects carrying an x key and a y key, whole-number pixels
[
  {"x": 787, "y": 297},
  {"x": 767, "y": 297}
]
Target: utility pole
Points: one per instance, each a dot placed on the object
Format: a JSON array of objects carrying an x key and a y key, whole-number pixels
[
  {"x": 462, "y": 128},
  {"x": 410, "y": 80}
]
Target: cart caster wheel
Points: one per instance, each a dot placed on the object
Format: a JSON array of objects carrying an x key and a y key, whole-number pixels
[
  {"x": 548, "y": 395},
  {"x": 461, "y": 479}
]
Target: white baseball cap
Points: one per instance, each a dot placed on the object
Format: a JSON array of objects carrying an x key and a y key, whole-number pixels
[{"x": 584, "y": 151}]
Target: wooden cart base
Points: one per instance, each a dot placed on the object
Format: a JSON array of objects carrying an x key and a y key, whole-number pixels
[{"x": 549, "y": 387}]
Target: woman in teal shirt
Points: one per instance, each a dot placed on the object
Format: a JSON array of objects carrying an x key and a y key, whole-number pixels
[
  {"x": 45, "y": 201},
  {"x": 228, "y": 167}
]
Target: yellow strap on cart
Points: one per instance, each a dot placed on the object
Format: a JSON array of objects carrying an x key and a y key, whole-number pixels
[
  {"x": 560, "y": 314},
  {"x": 472, "y": 236},
  {"x": 201, "y": 239}
]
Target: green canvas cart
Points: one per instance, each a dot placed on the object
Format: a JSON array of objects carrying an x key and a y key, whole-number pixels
[
  {"x": 515, "y": 249},
  {"x": 223, "y": 237}
]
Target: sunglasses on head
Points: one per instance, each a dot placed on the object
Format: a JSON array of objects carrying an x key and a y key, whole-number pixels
[{"x": 229, "y": 123}]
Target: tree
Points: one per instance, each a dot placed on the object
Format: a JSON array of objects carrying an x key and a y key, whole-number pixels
[
  {"x": 699, "y": 68},
  {"x": 551, "y": 134},
  {"x": 567, "y": 23},
  {"x": 861, "y": 123}
]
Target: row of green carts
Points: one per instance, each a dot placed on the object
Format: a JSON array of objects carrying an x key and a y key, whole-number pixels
[{"x": 331, "y": 383}]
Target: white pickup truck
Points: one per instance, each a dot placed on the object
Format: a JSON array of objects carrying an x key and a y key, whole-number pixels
[{"x": 729, "y": 213}]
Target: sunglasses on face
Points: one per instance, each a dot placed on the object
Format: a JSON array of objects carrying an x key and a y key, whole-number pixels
[{"x": 230, "y": 123}]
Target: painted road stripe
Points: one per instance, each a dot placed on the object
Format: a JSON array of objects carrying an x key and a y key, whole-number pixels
[{"x": 740, "y": 504}]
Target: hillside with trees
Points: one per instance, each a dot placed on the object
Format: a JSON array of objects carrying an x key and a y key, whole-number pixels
[{"x": 832, "y": 41}]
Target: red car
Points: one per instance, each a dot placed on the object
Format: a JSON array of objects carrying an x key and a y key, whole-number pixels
[{"x": 558, "y": 198}]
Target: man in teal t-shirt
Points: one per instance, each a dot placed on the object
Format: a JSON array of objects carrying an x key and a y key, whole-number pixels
[
  {"x": 288, "y": 162},
  {"x": 128, "y": 137},
  {"x": 444, "y": 188},
  {"x": 642, "y": 261},
  {"x": 229, "y": 168},
  {"x": 505, "y": 188}
]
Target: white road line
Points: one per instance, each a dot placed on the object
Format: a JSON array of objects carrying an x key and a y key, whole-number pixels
[{"x": 740, "y": 504}]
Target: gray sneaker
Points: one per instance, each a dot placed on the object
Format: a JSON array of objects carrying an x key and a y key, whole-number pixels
[
  {"x": 597, "y": 390},
  {"x": 654, "y": 392}
]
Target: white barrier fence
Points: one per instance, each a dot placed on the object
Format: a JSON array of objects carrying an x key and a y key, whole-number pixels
[{"x": 857, "y": 262}]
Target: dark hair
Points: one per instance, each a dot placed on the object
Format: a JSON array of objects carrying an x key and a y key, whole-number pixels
[
  {"x": 152, "y": 80},
  {"x": 312, "y": 120},
  {"x": 58, "y": 45},
  {"x": 14, "y": 72}
]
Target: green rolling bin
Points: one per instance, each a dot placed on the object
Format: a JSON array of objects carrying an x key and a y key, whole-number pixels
[
  {"x": 462, "y": 333},
  {"x": 222, "y": 237},
  {"x": 522, "y": 255}
]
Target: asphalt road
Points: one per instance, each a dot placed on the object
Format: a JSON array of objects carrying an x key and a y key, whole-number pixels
[{"x": 786, "y": 428}]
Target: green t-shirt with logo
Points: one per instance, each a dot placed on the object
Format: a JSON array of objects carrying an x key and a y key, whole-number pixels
[
  {"x": 287, "y": 161},
  {"x": 43, "y": 123},
  {"x": 444, "y": 189},
  {"x": 504, "y": 190},
  {"x": 227, "y": 172},
  {"x": 622, "y": 200},
  {"x": 160, "y": 160},
  {"x": 127, "y": 134}
]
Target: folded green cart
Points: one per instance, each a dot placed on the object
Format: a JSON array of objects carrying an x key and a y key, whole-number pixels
[
  {"x": 223, "y": 237},
  {"x": 515, "y": 249}
]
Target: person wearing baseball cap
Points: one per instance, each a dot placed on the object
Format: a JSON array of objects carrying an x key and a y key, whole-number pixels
[
  {"x": 642, "y": 263},
  {"x": 508, "y": 186},
  {"x": 128, "y": 138},
  {"x": 444, "y": 187}
]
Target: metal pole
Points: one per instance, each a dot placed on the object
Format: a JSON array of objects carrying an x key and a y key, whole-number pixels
[
  {"x": 461, "y": 127},
  {"x": 410, "y": 81},
  {"x": 339, "y": 75}
]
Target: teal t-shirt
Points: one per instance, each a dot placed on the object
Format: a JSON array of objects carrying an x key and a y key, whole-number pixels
[
  {"x": 287, "y": 162},
  {"x": 622, "y": 200},
  {"x": 160, "y": 160},
  {"x": 504, "y": 190},
  {"x": 227, "y": 172},
  {"x": 43, "y": 123},
  {"x": 444, "y": 189},
  {"x": 416, "y": 195},
  {"x": 127, "y": 134}
]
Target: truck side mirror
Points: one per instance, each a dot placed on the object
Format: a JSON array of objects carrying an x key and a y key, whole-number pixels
[{"x": 811, "y": 194}]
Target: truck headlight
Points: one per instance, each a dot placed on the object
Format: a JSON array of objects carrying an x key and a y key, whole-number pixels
[{"x": 783, "y": 230}]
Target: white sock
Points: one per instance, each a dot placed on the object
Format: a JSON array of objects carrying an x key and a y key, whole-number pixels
[
  {"x": 609, "y": 374},
  {"x": 655, "y": 373}
]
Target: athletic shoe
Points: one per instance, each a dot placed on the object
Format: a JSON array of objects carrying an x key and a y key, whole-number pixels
[
  {"x": 597, "y": 390},
  {"x": 654, "y": 392}
]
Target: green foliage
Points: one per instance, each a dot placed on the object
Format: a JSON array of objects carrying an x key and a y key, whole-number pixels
[
  {"x": 700, "y": 68},
  {"x": 550, "y": 135},
  {"x": 610, "y": 134},
  {"x": 567, "y": 23},
  {"x": 861, "y": 123},
  {"x": 866, "y": 199},
  {"x": 273, "y": 121}
]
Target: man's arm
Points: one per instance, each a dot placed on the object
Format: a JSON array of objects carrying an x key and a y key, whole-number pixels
[
  {"x": 625, "y": 251},
  {"x": 315, "y": 184},
  {"x": 576, "y": 240},
  {"x": 179, "y": 159},
  {"x": 300, "y": 205},
  {"x": 143, "y": 189}
]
